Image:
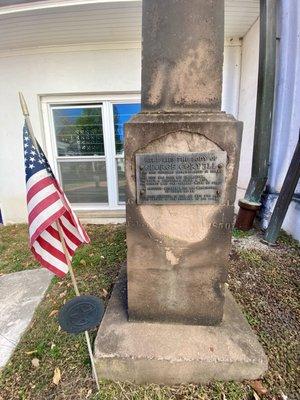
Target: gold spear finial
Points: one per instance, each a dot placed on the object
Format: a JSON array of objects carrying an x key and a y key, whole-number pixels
[{"x": 23, "y": 105}]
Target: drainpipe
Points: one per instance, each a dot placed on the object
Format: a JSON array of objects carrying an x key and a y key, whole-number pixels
[{"x": 264, "y": 113}]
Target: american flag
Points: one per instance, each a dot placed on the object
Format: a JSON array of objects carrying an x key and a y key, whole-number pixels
[{"x": 48, "y": 206}]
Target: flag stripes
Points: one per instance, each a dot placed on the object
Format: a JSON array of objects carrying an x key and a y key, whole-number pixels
[{"x": 48, "y": 206}]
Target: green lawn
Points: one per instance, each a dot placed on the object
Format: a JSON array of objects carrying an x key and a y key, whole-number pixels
[
  {"x": 264, "y": 282},
  {"x": 14, "y": 250}
]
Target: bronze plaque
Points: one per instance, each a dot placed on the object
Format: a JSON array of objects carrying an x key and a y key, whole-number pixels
[{"x": 181, "y": 178}]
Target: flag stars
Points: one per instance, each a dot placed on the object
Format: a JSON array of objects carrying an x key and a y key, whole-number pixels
[{"x": 35, "y": 160}]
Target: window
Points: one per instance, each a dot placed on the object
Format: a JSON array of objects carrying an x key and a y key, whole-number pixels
[
  {"x": 80, "y": 153},
  {"x": 122, "y": 113},
  {"x": 86, "y": 142}
]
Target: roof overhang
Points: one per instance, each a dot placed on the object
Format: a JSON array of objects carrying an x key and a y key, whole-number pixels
[{"x": 59, "y": 23}]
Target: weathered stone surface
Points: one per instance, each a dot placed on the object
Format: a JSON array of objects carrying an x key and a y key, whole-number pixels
[
  {"x": 177, "y": 253},
  {"x": 182, "y": 54},
  {"x": 144, "y": 352},
  {"x": 163, "y": 330}
]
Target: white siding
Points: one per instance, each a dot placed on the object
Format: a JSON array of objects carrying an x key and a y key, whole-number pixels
[
  {"x": 89, "y": 72},
  {"x": 96, "y": 71},
  {"x": 231, "y": 77},
  {"x": 247, "y": 104}
]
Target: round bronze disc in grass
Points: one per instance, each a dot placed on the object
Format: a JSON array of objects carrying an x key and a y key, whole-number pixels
[{"x": 81, "y": 313}]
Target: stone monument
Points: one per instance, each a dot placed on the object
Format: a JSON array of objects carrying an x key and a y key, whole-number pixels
[{"x": 172, "y": 319}]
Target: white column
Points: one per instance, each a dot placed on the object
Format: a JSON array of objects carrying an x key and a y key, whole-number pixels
[{"x": 287, "y": 111}]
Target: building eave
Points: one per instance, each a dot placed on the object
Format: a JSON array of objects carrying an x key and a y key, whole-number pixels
[{"x": 42, "y": 5}]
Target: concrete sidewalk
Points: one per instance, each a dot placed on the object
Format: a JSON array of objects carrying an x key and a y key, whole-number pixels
[{"x": 20, "y": 294}]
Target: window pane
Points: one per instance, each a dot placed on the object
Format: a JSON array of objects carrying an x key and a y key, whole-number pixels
[
  {"x": 121, "y": 179},
  {"x": 122, "y": 113},
  {"x": 84, "y": 182},
  {"x": 79, "y": 131}
]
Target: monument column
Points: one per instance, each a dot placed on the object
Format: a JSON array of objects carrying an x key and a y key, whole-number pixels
[
  {"x": 182, "y": 59},
  {"x": 182, "y": 156},
  {"x": 171, "y": 320}
]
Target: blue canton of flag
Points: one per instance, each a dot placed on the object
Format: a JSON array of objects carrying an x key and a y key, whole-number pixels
[{"x": 34, "y": 159}]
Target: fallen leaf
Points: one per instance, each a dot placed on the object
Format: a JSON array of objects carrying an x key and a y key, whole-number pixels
[
  {"x": 30, "y": 352},
  {"x": 56, "y": 376},
  {"x": 63, "y": 294},
  {"x": 258, "y": 387},
  {"x": 83, "y": 262},
  {"x": 89, "y": 393},
  {"x": 104, "y": 293},
  {"x": 53, "y": 345},
  {"x": 35, "y": 362},
  {"x": 53, "y": 312}
]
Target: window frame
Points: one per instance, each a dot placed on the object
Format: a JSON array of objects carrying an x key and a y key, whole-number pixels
[{"x": 106, "y": 102}]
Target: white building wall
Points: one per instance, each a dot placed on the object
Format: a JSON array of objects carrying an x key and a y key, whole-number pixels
[
  {"x": 66, "y": 72},
  {"x": 231, "y": 77},
  {"x": 247, "y": 104},
  {"x": 36, "y": 74}
]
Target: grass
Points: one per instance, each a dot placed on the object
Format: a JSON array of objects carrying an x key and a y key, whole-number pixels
[
  {"x": 264, "y": 283},
  {"x": 16, "y": 257},
  {"x": 238, "y": 234}
]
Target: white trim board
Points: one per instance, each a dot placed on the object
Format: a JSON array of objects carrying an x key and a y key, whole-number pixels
[
  {"x": 81, "y": 47},
  {"x": 40, "y": 5},
  {"x": 71, "y": 48}
]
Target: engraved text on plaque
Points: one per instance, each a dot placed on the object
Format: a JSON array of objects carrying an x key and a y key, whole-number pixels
[{"x": 190, "y": 178}]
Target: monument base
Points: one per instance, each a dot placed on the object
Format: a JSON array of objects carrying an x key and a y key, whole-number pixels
[{"x": 161, "y": 353}]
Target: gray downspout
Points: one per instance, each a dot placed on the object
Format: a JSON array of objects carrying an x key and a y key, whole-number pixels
[{"x": 264, "y": 114}]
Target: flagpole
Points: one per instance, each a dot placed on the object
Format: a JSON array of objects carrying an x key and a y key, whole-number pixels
[
  {"x": 60, "y": 232},
  {"x": 87, "y": 336}
]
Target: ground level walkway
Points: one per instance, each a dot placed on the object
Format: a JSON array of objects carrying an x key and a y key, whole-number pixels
[{"x": 20, "y": 294}]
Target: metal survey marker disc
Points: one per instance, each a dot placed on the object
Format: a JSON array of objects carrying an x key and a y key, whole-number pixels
[{"x": 80, "y": 314}]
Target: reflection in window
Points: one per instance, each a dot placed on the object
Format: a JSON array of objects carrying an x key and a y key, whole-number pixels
[
  {"x": 121, "y": 179},
  {"x": 84, "y": 181},
  {"x": 122, "y": 114},
  {"x": 79, "y": 131}
]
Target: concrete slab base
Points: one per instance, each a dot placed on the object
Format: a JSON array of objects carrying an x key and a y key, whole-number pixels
[
  {"x": 20, "y": 294},
  {"x": 143, "y": 352}
]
